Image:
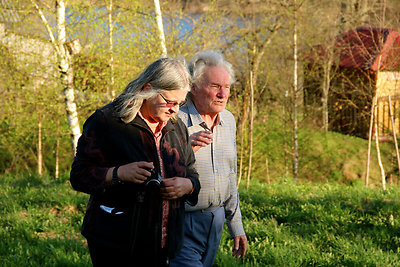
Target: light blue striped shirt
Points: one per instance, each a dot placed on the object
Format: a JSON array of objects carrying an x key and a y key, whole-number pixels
[{"x": 217, "y": 166}]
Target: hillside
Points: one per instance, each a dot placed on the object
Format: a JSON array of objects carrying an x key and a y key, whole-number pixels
[{"x": 322, "y": 156}]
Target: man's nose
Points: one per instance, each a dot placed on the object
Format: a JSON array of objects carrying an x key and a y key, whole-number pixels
[{"x": 223, "y": 93}]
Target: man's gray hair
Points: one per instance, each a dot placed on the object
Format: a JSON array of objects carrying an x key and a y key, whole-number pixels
[
  {"x": 208, "y": 59},
  {"x": 164, "y": 74}
]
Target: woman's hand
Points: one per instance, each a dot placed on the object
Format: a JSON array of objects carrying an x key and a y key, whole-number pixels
[{"x": 135, "y": 172}]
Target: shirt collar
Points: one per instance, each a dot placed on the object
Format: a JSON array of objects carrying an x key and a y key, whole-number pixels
[{"x": 194, "y": 115}]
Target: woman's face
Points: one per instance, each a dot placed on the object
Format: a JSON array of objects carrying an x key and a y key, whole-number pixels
[{"x": 162, "y": 107}]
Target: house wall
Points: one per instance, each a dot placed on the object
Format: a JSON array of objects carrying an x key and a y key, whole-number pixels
[
  {"x": 34, "y": 55},
  {"x": 388, "y": 84}
]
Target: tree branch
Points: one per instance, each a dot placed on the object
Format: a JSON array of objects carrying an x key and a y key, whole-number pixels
[{"x": 47, "y": 25}]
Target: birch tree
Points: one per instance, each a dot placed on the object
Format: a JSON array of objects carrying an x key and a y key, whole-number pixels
[
  {"x": 160, "y": 28},
  {"x": 66, "y": 70},
  {"x": 110, "y": 46},
  {"x": 295, "y": 95}
]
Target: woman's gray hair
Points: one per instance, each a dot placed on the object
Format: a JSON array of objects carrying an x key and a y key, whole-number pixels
[
  {"x": 164, "y": 74},
  {"x": 208, "y": 59}
]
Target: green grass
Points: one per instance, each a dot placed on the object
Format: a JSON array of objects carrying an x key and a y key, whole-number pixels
[
  {"x": 39, "y": 223},
  {"x": 318, "y": 225},
  {"x": 287, "y": 224}
]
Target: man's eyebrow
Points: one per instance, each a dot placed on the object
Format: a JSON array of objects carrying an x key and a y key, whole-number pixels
[{"x": 222, "y": 85}]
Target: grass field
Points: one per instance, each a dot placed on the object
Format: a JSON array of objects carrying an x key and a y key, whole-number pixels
[{"x": 287, "y": 224}]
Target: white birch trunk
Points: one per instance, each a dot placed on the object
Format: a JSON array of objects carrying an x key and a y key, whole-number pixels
[
  {"x": 295, "y": 122},
  {"x": 66, "y": 71},
  {"x": 160, "y": 27},
  {"x": 378, "y": 152},
  {"x": 251, "y": 128},
  {"x": 67, "y": 77},
  {"x": 242, "y": 137},
  {"x": 325, "y": 93},
  {"x": 39, "y": 149},
  {"x": 57, "y": 149},
  {"x": 371, "y": 127},
  {"x": 394, "y": 135},
  {"x": 110, "y": 47}
]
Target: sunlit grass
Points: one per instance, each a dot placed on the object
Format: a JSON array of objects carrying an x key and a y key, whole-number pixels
[
  {"x": 318, "y": 225},
  {"x": 287, "y": 224},
  {"x": 40, "y": 221}
]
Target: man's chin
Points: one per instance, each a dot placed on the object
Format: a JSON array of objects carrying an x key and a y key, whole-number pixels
[{"x": 219, "y": 108}]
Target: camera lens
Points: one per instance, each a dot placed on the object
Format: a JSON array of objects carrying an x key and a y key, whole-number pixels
[{"x": 154, "y": 180}]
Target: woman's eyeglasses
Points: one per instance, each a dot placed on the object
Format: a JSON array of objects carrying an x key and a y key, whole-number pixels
[{"x": 170, "y": 104}]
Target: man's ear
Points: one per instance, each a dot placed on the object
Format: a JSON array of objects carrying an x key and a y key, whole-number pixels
[
  {"x": 147, "y": 87},
  {"x": 193, "y": 88}
]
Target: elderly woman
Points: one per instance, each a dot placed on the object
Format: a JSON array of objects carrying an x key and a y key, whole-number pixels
[{"x": 135, "y": 161}]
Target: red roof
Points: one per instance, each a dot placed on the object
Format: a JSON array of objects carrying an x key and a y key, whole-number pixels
[{"x": 369, "y": 48}]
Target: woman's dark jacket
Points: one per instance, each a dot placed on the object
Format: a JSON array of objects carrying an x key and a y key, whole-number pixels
[{"x": 134, "y": 223}]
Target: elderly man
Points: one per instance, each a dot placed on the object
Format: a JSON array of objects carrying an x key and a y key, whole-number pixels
[{"x": 212, "y": 131}]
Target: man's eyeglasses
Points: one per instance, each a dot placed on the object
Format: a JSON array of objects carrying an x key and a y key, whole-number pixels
[{"x": 170, "y": 104}]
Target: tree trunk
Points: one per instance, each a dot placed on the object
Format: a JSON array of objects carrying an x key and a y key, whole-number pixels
[
  {"x": 67, "y": 77},
  {"x": 394, "y": 135},
  {"x": 39, "y": 149},
  {"x": 243, "y": 120},
  {"x": 66, "y": 71},
  {"x": 383, "y": 176},
  {"x": 325, "y": 93},
  {"x": 160, "y": 27},
  {"x": 110, "y": 48},
  {"x": 286, "y": 151},
  {"x": 371, "y": 126},
  {"x": 56, "y": 174},
  {"x": 267, "y": 168},
  {"x": 295, "y": 122},
  {"x": 251, "y": 129}
]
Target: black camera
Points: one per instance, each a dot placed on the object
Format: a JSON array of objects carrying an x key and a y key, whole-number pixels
[{"x": 155, "y": 179}]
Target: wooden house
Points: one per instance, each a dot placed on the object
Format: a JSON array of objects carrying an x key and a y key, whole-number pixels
[{"x": 366, "y": 63}]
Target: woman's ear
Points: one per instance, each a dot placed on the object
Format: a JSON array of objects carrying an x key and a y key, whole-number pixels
[{"x": 147, "y": 87}]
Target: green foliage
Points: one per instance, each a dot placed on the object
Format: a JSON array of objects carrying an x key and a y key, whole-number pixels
[{"x": 320, "y": 225}]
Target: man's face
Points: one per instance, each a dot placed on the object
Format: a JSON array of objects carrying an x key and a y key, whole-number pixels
[
  {"x": 211, "y": 95},
  {"x": 162, "y": 107}
]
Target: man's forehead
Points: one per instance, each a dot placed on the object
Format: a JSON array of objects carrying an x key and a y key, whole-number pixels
[{"x": 216, "y": 74}]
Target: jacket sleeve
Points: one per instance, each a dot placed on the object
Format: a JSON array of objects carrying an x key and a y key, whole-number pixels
[
  {"x": 88, "y": 171},
  {"x": 191, "y": 172}
]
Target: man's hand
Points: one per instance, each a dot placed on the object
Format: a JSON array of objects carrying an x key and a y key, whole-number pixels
[
  {"x": 239, "y": 246},
  {"x": 200, "y": 139},
  {"x": 176, "y": 187},
  {"x": 136, "y": 172}
]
